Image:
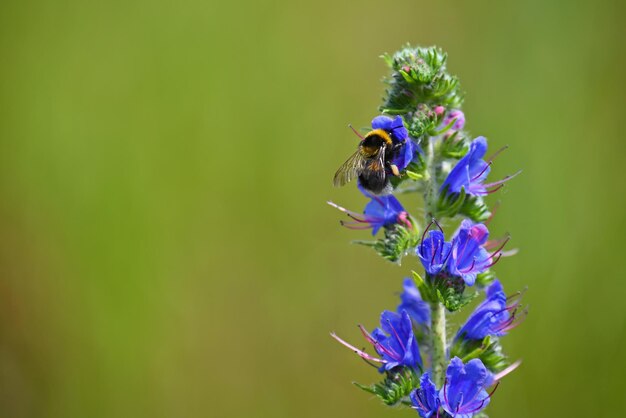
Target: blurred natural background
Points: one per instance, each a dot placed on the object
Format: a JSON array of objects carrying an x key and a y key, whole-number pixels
[{"x": 166, "y": 249}]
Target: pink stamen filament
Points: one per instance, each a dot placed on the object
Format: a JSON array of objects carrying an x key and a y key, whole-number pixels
[
  {"x": 361, "y": 353},
  {"x": 487, "y": 165},
  {"x": 494, "y": 262},
  {"x": 494, "y": 190},
  {"x": 424, "y": 235},
  {"x": 504, "y": 180},
  {"x": 495, "y": 154},
  {"x": 379, "y": 346},
  {"x": 470, "y": 267},
  {"x": 495, "y": 242},
  {"x": 396, "y": 334},
  {"x": 506, "y": 371},
  {"x": 500, "y": 248}
]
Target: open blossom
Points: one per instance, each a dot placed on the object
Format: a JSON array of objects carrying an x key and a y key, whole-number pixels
[
  {"x": 465, "y": 256},
  {"x": 380, "y": 212},
  {"x": 468, "y": 256},
  {"x": 399, "y": 135},
  {"x": 434, "y": 252},
  {"x": 394, "y": 342},
  {"x": 425, "y": 399},
  {"x": 494, "y": 316},
  {"x": 471, "y": 172},
  {"x": 463, "y": 393},
  {"x": 412, "y": 303}
]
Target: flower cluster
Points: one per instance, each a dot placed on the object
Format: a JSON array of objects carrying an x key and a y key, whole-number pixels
[{"x": 419, "y": 145}]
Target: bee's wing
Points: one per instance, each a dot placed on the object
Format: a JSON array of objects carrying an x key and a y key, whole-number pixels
[{"x": 350, "y": 169}]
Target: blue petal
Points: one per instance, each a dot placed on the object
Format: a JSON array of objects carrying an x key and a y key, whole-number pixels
[
  {"x": 464, "y": 392},
  {"x": 382, "y": 122},
  {"x": 425, "y": 399},
  {"x": 413, "y": 304},
  {"x": 398, "y": 130},
  {"x": 406, "y": 154}
]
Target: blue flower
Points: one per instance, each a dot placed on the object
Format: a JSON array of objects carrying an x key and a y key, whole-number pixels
[
  {"x": 470, "y": 172},
  {"x": 399, "y": 135},
  {"x": 433, "y": 252},
  {"x": 413, "y": 304},
  {"x": 464, "y": 392},
  {"x": 380, "y": 212},
  {"x": 468, "y": 256},
  {"x": 394, "y": 342},
  {"x": 492, "y": 317},
  {"x": 425, "y": 399}
]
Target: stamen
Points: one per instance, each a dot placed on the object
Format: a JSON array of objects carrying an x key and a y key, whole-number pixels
[
  {"x": 494, "y": 390},
  {"x": 376, "y": 344},
  {"x": 505, "y": 179},
  {"x": 487, "y": 165},
  {"x": 435, "y": 252},
  {"x": 355, "y": 131},
  {"x": 438, "y": 226},
  {"x": 361, "y": 353},
  {"x": 493, "y": 263},
  {"x": 350, "y": 213},
  {"x": 354, "y": 225},
  {"x": 470, "y": 268},
  {"x": 501, "y": 246},
  {"x": 424, "y": 235},
  {"x": 494, "y": 190},
  {"x": 495, "y": 154},
  {"x": 396, "y": 334},
  {"x": 445, "y": 392},
  {"x": 506, "y": 371},
  {"x": 419, "y": 401}
]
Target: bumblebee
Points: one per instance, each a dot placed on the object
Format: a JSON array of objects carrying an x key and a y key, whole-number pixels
[{"x": 371, "y": 163}]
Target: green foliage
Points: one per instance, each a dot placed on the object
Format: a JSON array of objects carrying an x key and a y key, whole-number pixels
[
  {"x": 397, "y": 242},
  {"x": 452, "y": 204},
  {"x": 395, "y": 388},
  {"x": 489, "y": 351},
  {"x": 424, "y": 121},
  {"x": 475, "y": 208},
  {"x": 450, "y": 291},
  {"x": 453, "y": 145},
  {"x": 419, "y": 76}
]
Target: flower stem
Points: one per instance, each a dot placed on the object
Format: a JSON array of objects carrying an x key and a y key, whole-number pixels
[
  {"x": 438, "y": 344},
  {"x": 437, "y": 310}
]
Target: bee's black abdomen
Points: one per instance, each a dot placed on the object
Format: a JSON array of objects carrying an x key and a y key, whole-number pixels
[{"x": 375, "y": 182}]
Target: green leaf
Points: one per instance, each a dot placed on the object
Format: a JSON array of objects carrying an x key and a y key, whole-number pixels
[
  {"x": 475, "y": 208},
  {"x": 488, "y": 350},
  {"x": 396, "y": 387},
  {"x": 397, "y": 242}
]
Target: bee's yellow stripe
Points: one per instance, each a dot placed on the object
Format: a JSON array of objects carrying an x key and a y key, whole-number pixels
[{"x": 381, "y": 133}]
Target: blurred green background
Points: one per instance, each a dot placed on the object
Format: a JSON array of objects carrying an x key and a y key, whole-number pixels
[{"x": 166, "y": 249}]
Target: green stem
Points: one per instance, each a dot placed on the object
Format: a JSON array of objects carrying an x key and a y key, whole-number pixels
[
  {"x": 438, "y": 344},
  {"x": 437, "y": 310}
]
